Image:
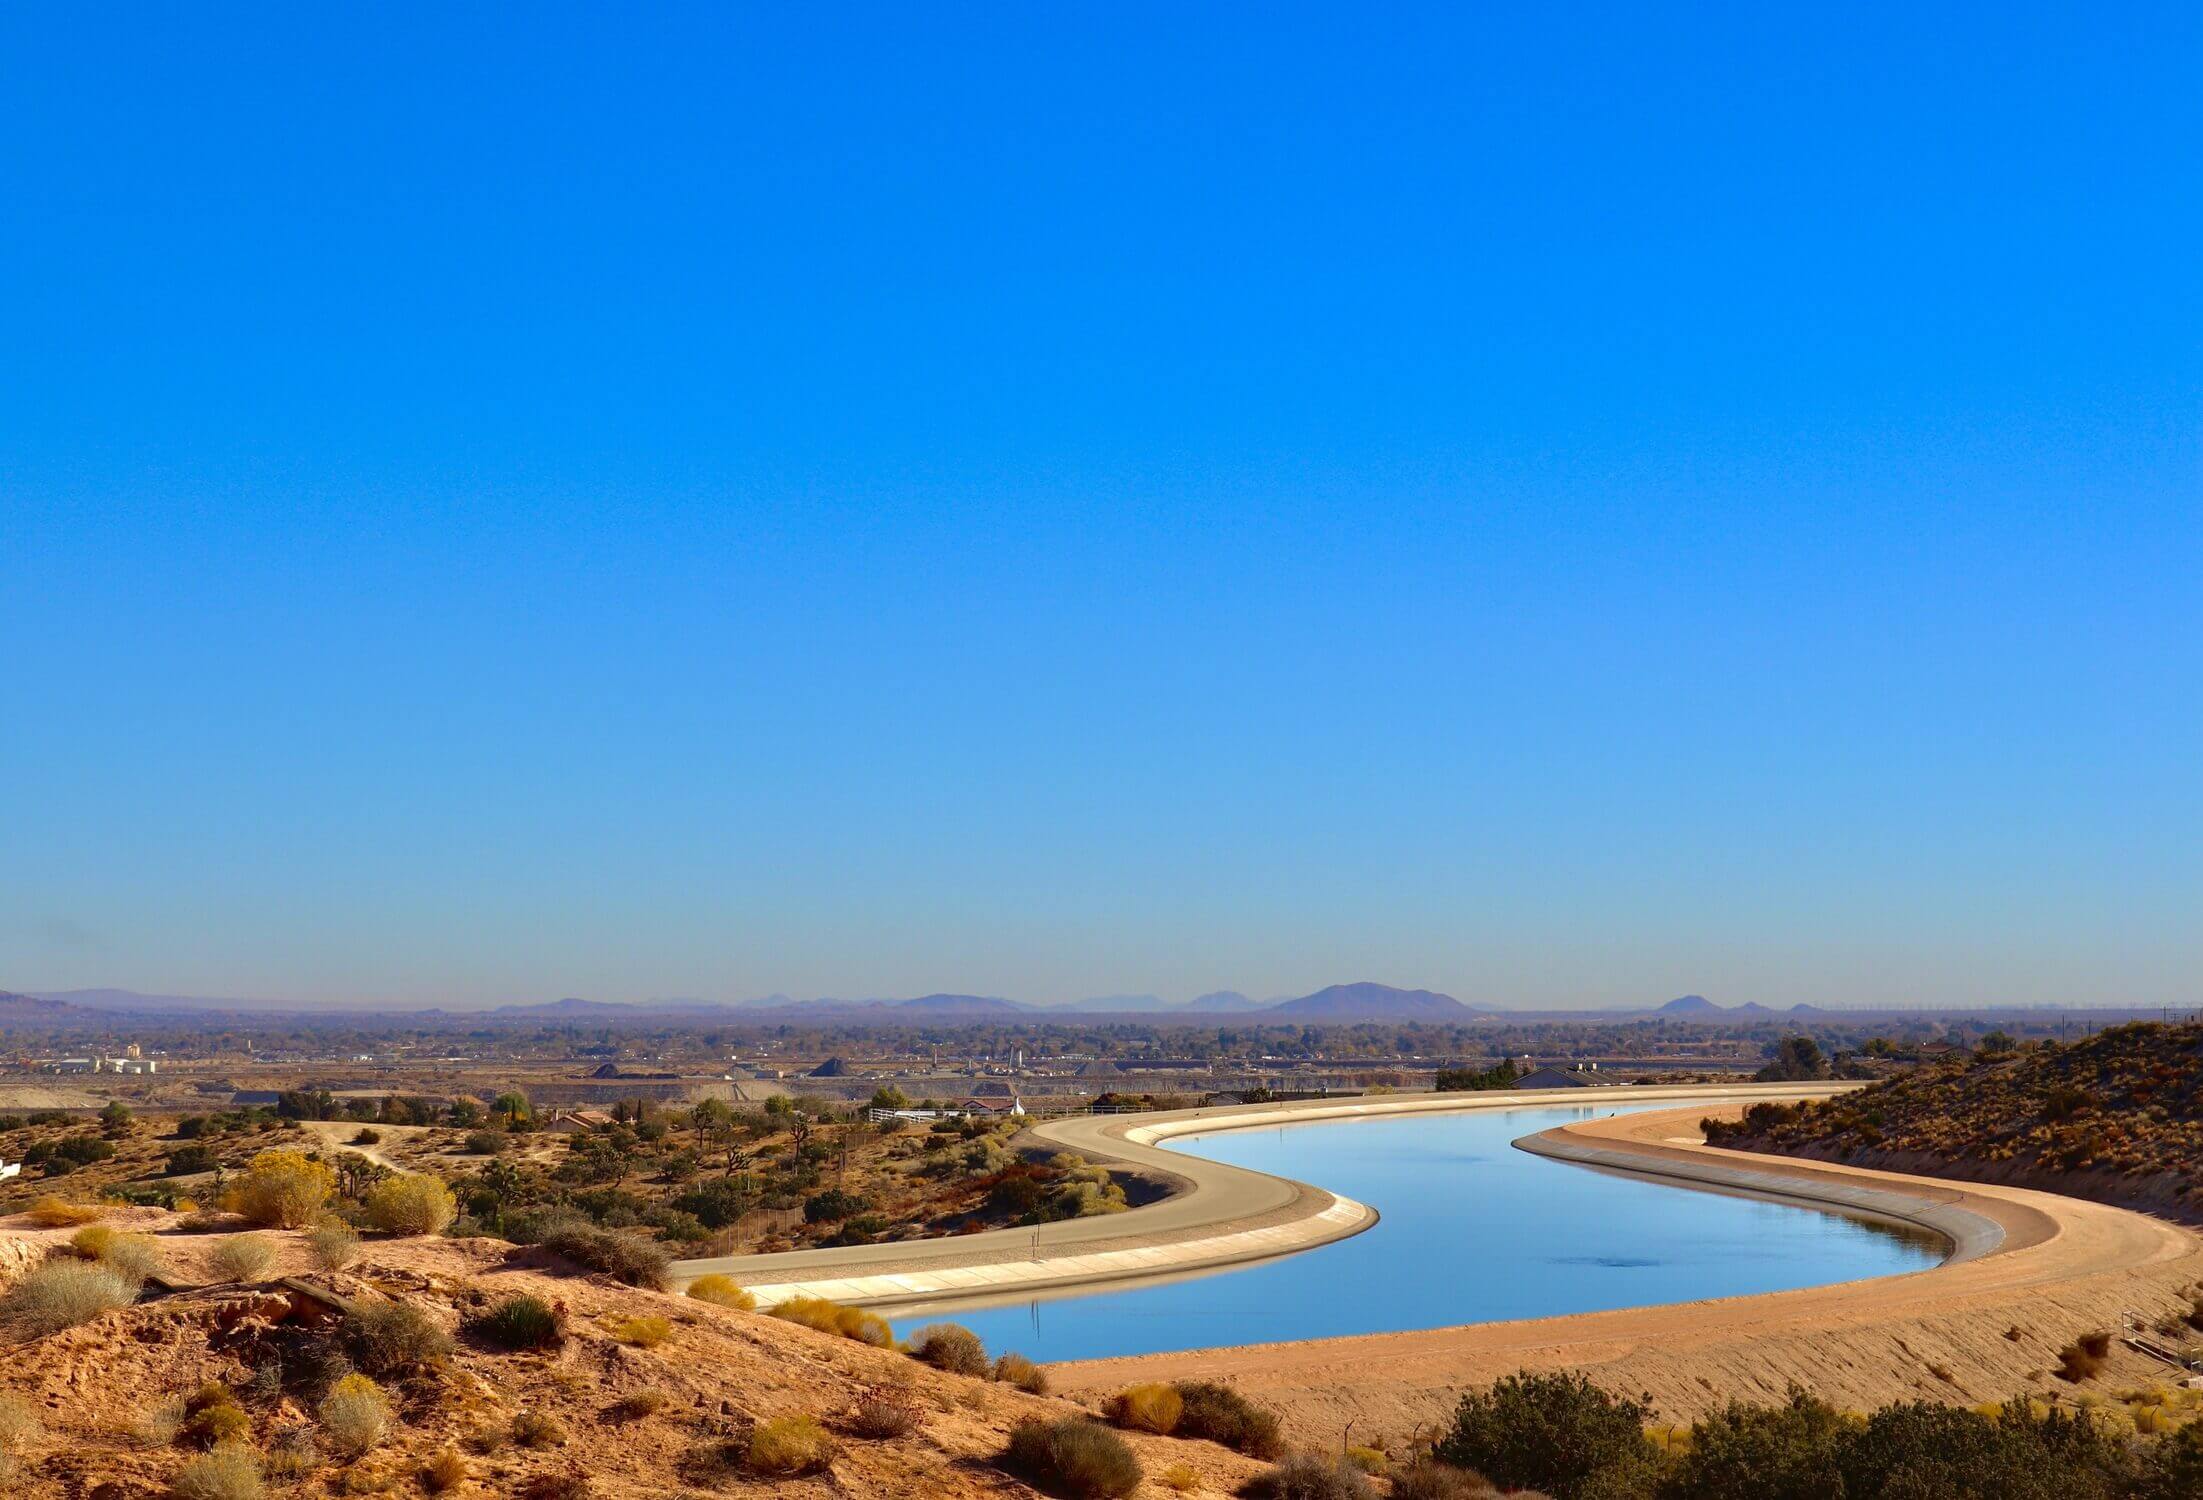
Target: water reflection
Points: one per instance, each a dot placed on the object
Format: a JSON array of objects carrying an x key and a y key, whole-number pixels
[{"x": 1472, "y": 1231}]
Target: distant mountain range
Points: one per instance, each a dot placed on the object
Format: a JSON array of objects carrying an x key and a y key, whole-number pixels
[
  {"x": 1363, "y": 1000},
  {"x": 1699, "y": 1005}
]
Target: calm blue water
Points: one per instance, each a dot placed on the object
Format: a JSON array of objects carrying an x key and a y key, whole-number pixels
[{"x": 1472, "y": 1231}]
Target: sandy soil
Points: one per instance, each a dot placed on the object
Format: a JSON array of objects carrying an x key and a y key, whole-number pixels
[{"x": 2066, "y": 1267}]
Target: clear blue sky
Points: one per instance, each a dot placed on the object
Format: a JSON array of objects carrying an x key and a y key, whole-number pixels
[{"x": 1561, "y": 507}]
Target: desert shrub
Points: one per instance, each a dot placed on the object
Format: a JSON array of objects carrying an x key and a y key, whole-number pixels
[
  {"x": 1303, "y": 1477},
  {"x": 293, "y": 1454},
  {"x": 445, "y": 1470},
  {"x": 636, "y": 1405},
  {"x": 90, "y": 1241},
  {"x": 367, "y": 1135},
  {"x": 1368, "y": 1460},
  {"x": 242, "y": 1257},
  {"x": 355, "y": 1415},
  {"x": 538, "y": 1429},
  {"x": 1217, "y": 1412},
  {"x": 282, "y": 1189},
  {"x": 881, "y": 1413},
  {"x": 832, "y": 1317},
  {"x": 721, "y": 1291},
  {"x": 557, "y": 1487},
  {"x": 135, "y": 1257},
  {"x": 487, "y": 1142},
  {"x": 1430, "y": 1480},
  {"x": 1015, "y": 1369},
  {"x": 521, "y": 1322},
  {"x": 393, "y": 1338},
  {"x": 951, "y": 1347},
  {"x": 212, "y": 1416},
  {"x": 185, "y": 1160},
  {"x": 643, "y": 1333},
  {"x": 1146, "y": 1408},
  {"x": 333, "y": 1245},
  {"x": 789, "y": 1445},
  {"x": 2173, "y": 1467},
  {"x": 50, "y": 1212},
  {"x": 2084, "y": 1358},
  {"x": 1743, "y": 1452},
  {"x": 1074, "y": 1457},
  {"x": 225, "y": 1474},
  {"x": 1179, "y": 1477},
  {"x": 1929, "y": 1450},
  {"x": 621, "y": 1254},
  {"x": 411, "y": 1203},
  {"x": 61, "y": 1294},
  {"x": 1550, "y": 1432}
]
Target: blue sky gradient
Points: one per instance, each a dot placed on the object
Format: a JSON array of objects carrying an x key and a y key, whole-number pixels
[{"x": 1562, "y": 508}]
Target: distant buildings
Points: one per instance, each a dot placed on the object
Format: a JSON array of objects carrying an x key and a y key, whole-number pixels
[{"x": 130, "y": 1064}]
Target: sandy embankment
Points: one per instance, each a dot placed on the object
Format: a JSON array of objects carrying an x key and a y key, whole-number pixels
[{"x": 2065, "y": 1266}]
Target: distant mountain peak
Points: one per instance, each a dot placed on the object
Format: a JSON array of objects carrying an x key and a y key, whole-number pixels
[
  {"x": 1367, "y": 999},
  {"x": 1691, "y": 1005}
]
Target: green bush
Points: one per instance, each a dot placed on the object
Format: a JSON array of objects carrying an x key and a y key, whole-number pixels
[
  {"x": 1220, "y": 1414},
  {"x": 521, "y": 1322},
  {"x": 1074, "y": 1457},
  {"x": 1743, "y": 1452},
  {"x": 1549, "y": 1432},
  {"x": 951, "y": 1347},
  {"x": 1304, "y": 1477},
  {"x": 1928, "y": 1450}
]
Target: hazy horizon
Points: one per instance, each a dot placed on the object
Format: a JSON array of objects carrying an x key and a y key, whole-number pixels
[{"x": 1050, "y": 503}]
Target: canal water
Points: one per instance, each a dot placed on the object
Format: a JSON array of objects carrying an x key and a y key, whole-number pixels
[{"x": 1472, "y": 1231}]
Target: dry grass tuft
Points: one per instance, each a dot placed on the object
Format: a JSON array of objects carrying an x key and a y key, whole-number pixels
[
  {"x": 538, "y": 1429},
  {"x": 51, "y": 1212},
  {"x": 243, "y": 1257},
  {"x": 789, "y": 1445},
  {"x": 1146, "y": 1408},
  {"x": 1016, "y": 1370},
  {"x": 445, "y": 1470},
  {"x": 832, "y": 1317},
  {"x": 722, "y": 1291},
  {"x": 333, "y": 1245},
  {"x": 643, "y": 1333},
  {"x": 355, "y": 1416},
  {"x": 225, "y": 1474},
  {"x": 61, "y": 1294}
]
